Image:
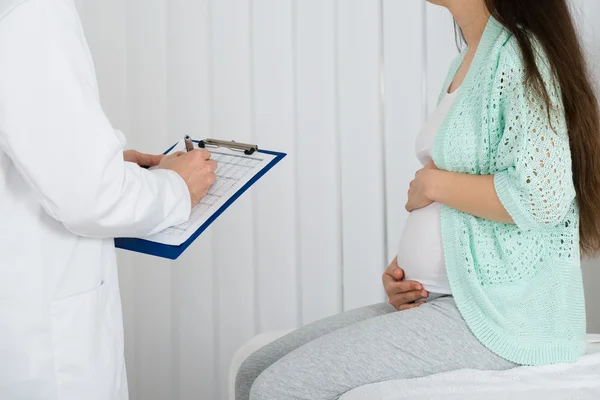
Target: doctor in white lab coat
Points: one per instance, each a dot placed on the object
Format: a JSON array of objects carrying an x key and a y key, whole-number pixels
[{"x": 66, "y": 189}]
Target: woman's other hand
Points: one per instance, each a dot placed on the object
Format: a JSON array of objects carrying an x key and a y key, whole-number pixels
[
  {"x": 418, "y": 192},
  {"x": 141, "y": 159},
  {"x": 402, "y": 294}
]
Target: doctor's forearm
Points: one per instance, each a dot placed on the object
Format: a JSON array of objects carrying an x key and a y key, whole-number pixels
[
  {"x": 138, "y": 204},
  {"x": 471, "y": 194}
]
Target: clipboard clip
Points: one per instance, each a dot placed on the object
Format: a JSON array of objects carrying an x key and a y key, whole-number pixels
[{"x": 248, "y": 149}]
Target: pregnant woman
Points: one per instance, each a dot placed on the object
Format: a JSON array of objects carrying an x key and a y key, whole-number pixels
[{"x": 507, "y": 201}]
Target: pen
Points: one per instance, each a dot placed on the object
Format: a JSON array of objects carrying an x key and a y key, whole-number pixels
[{"x": 189, "y": 145}]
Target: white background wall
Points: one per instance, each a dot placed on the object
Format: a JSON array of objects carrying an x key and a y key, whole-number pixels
[{"x": 343, "y": 87}]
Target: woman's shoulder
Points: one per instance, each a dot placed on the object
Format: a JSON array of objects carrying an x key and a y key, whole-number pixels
[{"x": 510, "y": 57}]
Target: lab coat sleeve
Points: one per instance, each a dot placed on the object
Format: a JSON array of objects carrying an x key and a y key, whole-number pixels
[{"x": 54, "y": 130}]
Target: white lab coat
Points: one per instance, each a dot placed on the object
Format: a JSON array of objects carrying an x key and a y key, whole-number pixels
[{"x": 65, "y": 191}]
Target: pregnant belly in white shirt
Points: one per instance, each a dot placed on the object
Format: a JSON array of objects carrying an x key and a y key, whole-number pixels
[{"x": 420, "y": 252}]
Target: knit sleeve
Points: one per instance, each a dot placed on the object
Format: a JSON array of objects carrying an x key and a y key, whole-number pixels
[{"x": 534, "y": 181}]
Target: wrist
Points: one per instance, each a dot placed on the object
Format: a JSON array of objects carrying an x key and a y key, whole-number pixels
[{"x": 432, "y": 181}]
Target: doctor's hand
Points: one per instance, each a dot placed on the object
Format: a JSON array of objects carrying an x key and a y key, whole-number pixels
[
  {"x": 197, "y": 170},
  {"x": 418, "y": 192},
  {"x": 141, "y": 159},
  {"x": 402, "y": 294}
]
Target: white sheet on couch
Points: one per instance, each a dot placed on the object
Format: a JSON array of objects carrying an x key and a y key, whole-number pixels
[{"x": 553, "y": 382}]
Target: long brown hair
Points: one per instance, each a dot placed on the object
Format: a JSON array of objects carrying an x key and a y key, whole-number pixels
[{"x": 550, "y": 23}]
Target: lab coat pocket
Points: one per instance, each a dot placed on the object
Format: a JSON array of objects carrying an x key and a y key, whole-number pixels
[{"x": 86, "y": 349}]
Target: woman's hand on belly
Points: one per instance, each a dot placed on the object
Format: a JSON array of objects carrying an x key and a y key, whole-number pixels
[
  {"x": 418, "y": 192},
  {"x": 402, "y": 294}
]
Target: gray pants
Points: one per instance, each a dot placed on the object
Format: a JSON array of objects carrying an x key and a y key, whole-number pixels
[{"x": 326, "y": 359}]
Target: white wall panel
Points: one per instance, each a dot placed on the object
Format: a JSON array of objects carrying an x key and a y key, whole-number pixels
[
  {"x": 234, "y": 245},
  {"x": 275, "y": 128},
  {"x": 193, "y": 325},
  {"x": 318, "y": 162},
  {"x": 148, "y": 126},
  {"x": 591, "y": 32},
  {"x": 189, "y": 90},
  {"x": 109, "y": 53},
  {"x": 591, "y": 279},
  {"x": 404, "y": 112},
  {"x": 362, "y": 177},
  {"x": 441, "y": 50},
  {"x": 588, "y": 14}
]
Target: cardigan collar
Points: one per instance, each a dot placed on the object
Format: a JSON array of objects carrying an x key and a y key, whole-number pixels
[
  {"x": 493, "y": 30},
  {"x": 490, "y": 35}
]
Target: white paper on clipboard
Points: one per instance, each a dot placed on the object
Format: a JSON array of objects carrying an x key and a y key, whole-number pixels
[{"x": 234, "y": 170}]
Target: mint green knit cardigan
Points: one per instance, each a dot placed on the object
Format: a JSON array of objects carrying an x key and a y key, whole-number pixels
[{"x": 519, "y": 287}]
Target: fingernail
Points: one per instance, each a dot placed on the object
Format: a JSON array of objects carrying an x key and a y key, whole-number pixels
[
  {"x": 425, "y": 294},
  {"x": 419, "y": 287}
]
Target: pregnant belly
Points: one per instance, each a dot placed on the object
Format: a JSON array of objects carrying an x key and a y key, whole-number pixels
[{"x": 420, "y": 252}]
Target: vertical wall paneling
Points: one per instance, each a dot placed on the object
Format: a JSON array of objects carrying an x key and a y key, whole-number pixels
[
  {"x": 424, "y": 83},
  {"x": 587, "y": 12},
  {"x": 318, "y": 189},
  {"x": 577, "y": 10},
  {"x": 382, "y": 126},
  {"x": 109, "y": 51},
  {"x": 590, "y": 33},
  {"x": 404, "y": 49},
  {"x": 233, "y": 240},
  {"x": 189, "y": 90},
  {"x": 127, "y": 280},
  {"x": 441, "y": 50},
  {"x": 591, "y": 279},
  {"x": 192, "y": 322},
  {"x": 274, "y": 127},
  {"x": 360, "y": 128},
  {"x": 148, "y": 124}
]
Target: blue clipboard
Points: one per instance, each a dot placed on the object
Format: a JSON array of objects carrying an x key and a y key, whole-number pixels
[{"x": 173, "y": 252}]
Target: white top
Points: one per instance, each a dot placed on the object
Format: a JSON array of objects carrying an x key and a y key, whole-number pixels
[
  {"x": 420, "y": 252},
  {"x": 65, "y": 192}
]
